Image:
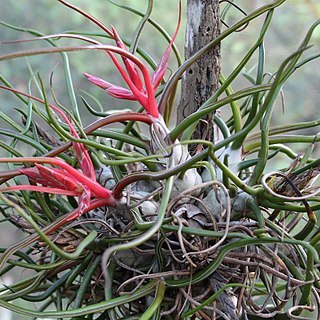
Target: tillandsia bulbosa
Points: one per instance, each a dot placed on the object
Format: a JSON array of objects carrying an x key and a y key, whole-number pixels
[{"x": 129, "y": 217}]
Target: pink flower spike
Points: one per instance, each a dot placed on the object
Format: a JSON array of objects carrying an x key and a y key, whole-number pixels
[
  {"x": 112, "y": 90},
  {"x": 141, "y": 95},
  {"x": 55, "y": 181},
  {"x": 79, "y": 148},
  {"x": 51, "y": 177},
  {"x": 40, "y": 189},
  {"x": 98, "y": 81},
  {"x": 121, "y": 93},
  {"x": 145, "y": 96},
  {"x": 136, "y": 76},
  {"x": 131, "y": 69},
  {"x": 78, "y": 176},
  {"x": 64, "y": 180}
]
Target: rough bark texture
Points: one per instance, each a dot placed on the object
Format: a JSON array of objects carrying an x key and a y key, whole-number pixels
[{"x": 202, "y": 78}]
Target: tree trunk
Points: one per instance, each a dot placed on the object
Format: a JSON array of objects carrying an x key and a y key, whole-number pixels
[{"x": 202, "y": 78}]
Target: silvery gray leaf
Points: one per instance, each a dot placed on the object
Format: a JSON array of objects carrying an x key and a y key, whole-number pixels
[
  {"x": 227, "y": 302},
  {"x": 188, "y": 210},
  {"x": 215, "y": 202}
]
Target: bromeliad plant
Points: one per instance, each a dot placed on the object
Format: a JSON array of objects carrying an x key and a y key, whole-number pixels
[{"x": 124, "y": 224}]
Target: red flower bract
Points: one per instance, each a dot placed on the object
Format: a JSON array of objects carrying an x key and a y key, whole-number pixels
[
  {"x": 63, "y": 179},
  {"x": 142, "y": 87}
]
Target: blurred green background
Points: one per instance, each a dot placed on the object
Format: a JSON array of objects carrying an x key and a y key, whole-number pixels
[{"x": 290, "y": 23}]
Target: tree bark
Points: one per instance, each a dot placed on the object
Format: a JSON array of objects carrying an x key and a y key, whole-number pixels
[{"x": 202, "y": 78}]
